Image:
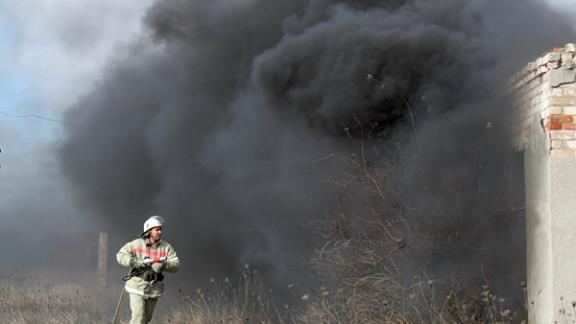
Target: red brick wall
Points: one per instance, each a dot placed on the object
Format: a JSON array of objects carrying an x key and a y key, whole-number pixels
[{"x": 545, "y": 90}]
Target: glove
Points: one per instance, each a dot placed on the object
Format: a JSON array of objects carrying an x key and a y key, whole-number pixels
[
  {"x": 158, "y": 267},
  {"x": 143, "y": 263}
]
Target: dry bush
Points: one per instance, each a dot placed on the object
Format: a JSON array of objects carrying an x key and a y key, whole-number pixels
[{"x": 376, "y": 254}]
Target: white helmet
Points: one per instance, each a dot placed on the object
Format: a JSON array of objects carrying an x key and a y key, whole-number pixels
[{"x": 154, "y": 221}]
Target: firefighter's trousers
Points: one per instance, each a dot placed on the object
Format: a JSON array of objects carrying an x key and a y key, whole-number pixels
[{"x": 141, "y": 308}]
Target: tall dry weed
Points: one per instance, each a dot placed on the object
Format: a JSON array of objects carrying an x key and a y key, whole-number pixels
[
  {"x": 378, "y": 250},
  {"x": 245, "y": 301}
]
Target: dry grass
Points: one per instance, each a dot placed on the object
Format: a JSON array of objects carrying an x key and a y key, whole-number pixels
[
  {"x": 24, "y": 299},
  {"x": 27, "y": 300},
  {"x": 373, "y": 300},
  {"x": 421, "y": 305},
  {"x": 248, "y": 301}
]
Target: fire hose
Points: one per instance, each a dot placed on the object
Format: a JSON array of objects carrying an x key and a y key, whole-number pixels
[{"x": 136, "y": 272}]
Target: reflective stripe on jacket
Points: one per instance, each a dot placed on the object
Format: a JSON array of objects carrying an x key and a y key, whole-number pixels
[{"x": 141, "y": 248}]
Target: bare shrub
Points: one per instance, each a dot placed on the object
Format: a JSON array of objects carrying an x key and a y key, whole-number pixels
[{"x": 378, "y": 251}]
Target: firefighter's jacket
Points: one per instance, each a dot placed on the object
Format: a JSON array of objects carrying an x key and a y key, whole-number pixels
[{"x": 141, "y": 248}]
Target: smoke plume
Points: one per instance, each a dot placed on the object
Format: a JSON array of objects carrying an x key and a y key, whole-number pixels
[{"x": 227, "y": 117}]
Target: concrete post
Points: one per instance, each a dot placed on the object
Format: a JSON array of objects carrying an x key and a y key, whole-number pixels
[
  {"x": 545, "y": 120},
  {"x": 101, "y": 272}
]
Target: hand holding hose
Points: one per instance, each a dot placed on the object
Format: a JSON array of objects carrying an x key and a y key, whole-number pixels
[{"x": 160, "y": 265}]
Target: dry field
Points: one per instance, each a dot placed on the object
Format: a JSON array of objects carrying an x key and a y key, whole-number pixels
[
  {"x": 31, "y": 299},
  {"x": 27, "y": 299}
]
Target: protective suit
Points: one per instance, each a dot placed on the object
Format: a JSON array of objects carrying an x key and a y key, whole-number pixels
[{"x": 145, "y": 283}]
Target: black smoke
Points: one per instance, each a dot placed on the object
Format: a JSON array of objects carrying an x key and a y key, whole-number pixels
[{"x": 227, "y": 117}]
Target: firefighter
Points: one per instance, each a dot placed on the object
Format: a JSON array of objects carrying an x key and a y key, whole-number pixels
[{"x": 148, "y": 257}]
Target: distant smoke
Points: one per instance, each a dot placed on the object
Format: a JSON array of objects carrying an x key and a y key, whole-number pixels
[{"x": 223, "y": 118}]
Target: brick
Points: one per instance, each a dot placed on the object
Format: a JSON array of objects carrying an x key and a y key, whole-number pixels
[
  {"x": 568, "y": 126},
  {"x": 569, "y": 110},
  {"x": 569, "y": 64},
  {"x": 562, "y": 76},
  {"x": 562, "y": 153},
  {"x": 568, "y": 86},
  {"x": 556, "y": 144},
  {"x": 553, "y": 57},
  {"x": 562, "y": 135},
  {"x": 542, "y": 60},
  {"x": 562, "y": 101},
  {"x": 553, "y": 65},
  {"x": 569, "y": 144},
  {"x": 556, "y": 110},
  {"x": 553, "y": 126},
  {"x": 560, "y": 119},
  {"x": 543, "y": 69}
]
